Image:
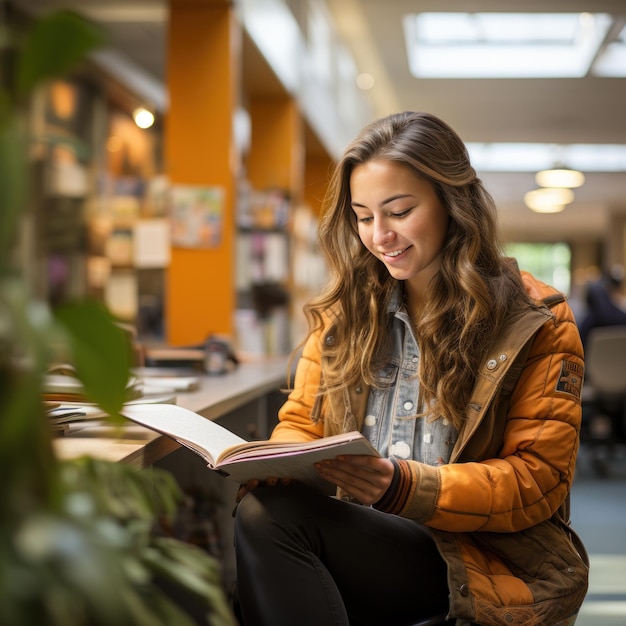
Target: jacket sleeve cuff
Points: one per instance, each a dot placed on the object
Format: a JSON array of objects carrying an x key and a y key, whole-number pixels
[{"x": 395, "y": 498}]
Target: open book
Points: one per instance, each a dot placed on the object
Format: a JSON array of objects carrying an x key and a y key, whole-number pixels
[{"x": 243, "y": 460}]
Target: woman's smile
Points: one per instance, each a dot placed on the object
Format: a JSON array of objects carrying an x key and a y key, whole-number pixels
[{"x": 394, "y": 254}]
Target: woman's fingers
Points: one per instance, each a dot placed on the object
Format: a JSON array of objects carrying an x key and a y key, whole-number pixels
[{"x": 363, "y": 477}]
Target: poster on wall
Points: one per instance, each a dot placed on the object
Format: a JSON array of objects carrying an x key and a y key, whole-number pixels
[{"x": 196, "y": 216}]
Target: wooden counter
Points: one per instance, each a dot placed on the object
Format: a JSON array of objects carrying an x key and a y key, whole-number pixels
[{"x": 217, "y": 397}]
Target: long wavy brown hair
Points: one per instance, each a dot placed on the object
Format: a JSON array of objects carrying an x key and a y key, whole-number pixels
[{"x": 476, "y": 289}]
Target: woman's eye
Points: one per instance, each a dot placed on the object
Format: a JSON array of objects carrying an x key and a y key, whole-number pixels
[
  {"x": 401, "y": 213},
  {"x": 364, "y": 220}
]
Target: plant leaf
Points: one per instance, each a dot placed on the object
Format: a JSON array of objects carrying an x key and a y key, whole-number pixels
[
  {"x": 100, "y": 352},
  {"x": 55, "y": 45},
  {"x": 13, "y": 186}
]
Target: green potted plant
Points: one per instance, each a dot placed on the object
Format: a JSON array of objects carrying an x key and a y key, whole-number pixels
[{"x": 77, "y": 539}]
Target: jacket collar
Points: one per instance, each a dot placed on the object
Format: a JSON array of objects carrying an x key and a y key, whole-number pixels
[{"x": 501, "y": 357}]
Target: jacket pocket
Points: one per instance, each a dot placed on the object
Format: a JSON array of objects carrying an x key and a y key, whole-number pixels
[{"x": 543, "y": 556}]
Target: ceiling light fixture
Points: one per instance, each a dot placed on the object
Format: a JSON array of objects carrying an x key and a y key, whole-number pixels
[
  {"x": 560, "y": 177},
  {"x": 143, "y": 118},
  {"x": 548, "y": 199}
]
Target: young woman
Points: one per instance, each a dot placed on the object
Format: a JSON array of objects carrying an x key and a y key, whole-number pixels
[{"x": 466, "y": 376}]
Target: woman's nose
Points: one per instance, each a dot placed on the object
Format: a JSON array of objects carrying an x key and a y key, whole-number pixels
[{"x": 382, "y": 232}]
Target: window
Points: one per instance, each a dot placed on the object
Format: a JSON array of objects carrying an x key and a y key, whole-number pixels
[{"x": 549, "y": 262}]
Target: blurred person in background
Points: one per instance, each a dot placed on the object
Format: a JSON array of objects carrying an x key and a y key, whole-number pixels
[{"x": 604, "y": 303}]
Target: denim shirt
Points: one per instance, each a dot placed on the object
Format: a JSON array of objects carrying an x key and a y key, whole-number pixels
[{"x": 391, "y": 423}]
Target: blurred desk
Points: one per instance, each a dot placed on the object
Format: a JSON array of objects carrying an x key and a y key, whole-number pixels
[{"x": 217, "y": 397}]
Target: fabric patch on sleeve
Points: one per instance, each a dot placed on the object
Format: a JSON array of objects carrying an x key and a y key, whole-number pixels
[{"x": 570, "y": 380}]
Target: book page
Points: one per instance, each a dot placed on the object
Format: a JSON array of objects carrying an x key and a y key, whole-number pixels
[
  {"x": 205, "y": 437},
  {"x": 292, "y": 462},
  {"x": 344, "y": 443}
]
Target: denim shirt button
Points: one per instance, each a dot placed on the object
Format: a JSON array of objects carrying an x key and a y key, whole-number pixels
[
  {"x": 401, "y": 449},
  {"x": 408, "y": 405},
  {"x": 370, "y": 420}
]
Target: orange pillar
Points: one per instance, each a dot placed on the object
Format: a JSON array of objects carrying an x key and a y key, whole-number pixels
[
  {"x": 276, "y": 154},
  {"x": 317, "y": 174},
  {"x": 203, "y": 79}
]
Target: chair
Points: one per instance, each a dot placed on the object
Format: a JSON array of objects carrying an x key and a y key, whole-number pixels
[
  {"x": 604, "y": 391},
  {"x": 605, "y": 360}
]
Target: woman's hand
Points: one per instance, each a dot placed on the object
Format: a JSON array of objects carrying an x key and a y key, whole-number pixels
[{"x": 365, "y": 478}]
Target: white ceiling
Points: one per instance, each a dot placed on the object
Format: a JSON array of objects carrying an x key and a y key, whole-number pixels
[{"x": 562, "y": 111}]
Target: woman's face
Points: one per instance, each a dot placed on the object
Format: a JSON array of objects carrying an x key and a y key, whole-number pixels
[{"x": 400, "y": 220}]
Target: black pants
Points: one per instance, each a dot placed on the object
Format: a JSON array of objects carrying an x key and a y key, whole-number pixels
[{"x": 311, "y": 560}]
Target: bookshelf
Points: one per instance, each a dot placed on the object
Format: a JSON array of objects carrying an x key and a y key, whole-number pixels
[
  {"x": 269, "y": 189},
  {"x": 263, "y": 271},
  {"x": 119, "y": 190}
]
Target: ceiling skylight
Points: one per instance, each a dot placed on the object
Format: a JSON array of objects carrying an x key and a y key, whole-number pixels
[
  {"x": 531, "y": 157},
  {"x": 613, "y": 60},
  {"x": 511, "y": 45}
]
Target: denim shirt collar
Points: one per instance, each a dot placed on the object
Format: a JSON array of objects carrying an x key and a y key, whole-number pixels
[
  {"x": 391, "y": 423},
  {"x": 396, "y": 301}
]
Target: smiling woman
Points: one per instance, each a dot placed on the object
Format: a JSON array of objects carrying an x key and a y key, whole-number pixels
[
  {"x": 400, "y": 221},
  {"x": 464, "y": 373}
]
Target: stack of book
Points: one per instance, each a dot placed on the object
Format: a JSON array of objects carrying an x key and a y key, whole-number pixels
[{"x": 68, "y": 407}]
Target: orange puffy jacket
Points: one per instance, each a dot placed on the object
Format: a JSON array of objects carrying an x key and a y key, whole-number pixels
[{"x": 499, "y": 510}]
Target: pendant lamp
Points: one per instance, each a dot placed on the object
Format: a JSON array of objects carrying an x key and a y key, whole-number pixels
[
  {"x": 548, "y": 199},
  {"x": 560, "y": 177}
]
